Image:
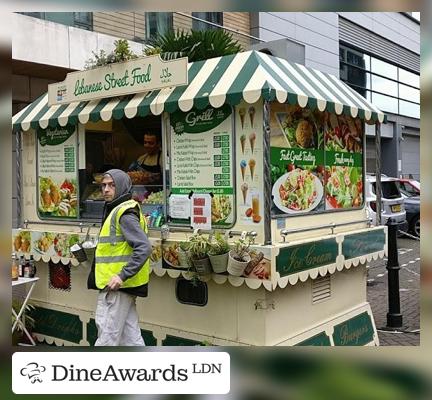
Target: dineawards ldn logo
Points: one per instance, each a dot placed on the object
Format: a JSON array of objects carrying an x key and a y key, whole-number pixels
[
  {"x": 33, "y": 371},
  {"x": 193, "y": 372}
]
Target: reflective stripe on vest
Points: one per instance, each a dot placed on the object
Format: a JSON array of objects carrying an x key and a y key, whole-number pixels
[{"x": 113, "y": 252}]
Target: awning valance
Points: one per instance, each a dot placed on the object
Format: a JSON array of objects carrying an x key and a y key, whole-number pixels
[{"x": 216, "y": 81}]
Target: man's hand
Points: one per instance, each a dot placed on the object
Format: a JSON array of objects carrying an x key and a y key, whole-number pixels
[{"x": 115, "y": 283}]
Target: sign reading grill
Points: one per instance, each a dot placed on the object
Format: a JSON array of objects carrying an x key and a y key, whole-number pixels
[{"x": 140, "y": 75}]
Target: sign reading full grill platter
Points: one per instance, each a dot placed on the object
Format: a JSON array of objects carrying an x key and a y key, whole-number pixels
[{"x": 119, "y": 79}]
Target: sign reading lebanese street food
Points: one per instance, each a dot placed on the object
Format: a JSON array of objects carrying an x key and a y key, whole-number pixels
[
  {"x": 201, "y": 159},
  {"x": 316, "y": 160},
  {"x": 119, "y": 79},
  {"x": 57, "y": 172},
  {"x": 293, "y": 259},
  {"x": 249, "y": 147}
]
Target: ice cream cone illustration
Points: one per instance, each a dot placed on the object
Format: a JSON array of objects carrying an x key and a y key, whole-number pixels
[
  {"x": 242, "y": 113},
  {"x": 252, "y": 115},
  {"x": 252, "y": 138},
  {"x": 243, "y": 168},
  {"x": 252, "y": 163},
  {"x": 244, "y": 189},
  {"x": 243, "y": 142}
]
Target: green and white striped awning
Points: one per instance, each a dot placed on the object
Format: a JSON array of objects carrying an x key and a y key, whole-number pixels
[{"x": 229, "y": 79}]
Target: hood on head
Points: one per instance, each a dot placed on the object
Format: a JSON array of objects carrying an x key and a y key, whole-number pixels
[{"x": 122, "y": 181}]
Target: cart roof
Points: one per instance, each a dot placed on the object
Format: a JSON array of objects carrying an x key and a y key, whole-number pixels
[{"x": 244, "y": 76}]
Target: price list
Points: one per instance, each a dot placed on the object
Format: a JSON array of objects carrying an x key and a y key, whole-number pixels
[
  {"x": 221, "y": 157},
  {"x": 69, "y": 159}
]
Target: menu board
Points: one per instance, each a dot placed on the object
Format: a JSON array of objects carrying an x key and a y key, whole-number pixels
[
  {"x": 201, "y": 149},
  {"x": 249, "y": 144},
  {"x": 57, "y": 172},
  {"x": 316, "y": 160}
]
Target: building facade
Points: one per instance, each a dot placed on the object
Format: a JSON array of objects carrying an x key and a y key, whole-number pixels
[{"x": 377, "y": 54}]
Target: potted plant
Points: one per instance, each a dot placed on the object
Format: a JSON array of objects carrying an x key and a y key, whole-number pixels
[
  {"x": 218, "y": 253},
  {"x": 198, "y": 249},
  {"x": 238, "y": 257}
]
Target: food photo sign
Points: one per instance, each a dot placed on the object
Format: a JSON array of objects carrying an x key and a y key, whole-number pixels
[
  {"x": 316, "y": 160},
  {"x": 57, "y": 173},
  {"x": 201, "y": 148}
]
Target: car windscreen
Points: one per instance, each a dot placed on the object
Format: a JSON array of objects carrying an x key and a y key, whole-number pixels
[{"x": 389, "y": 190}]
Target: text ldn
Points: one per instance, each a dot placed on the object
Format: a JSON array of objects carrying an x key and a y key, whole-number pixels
[
  {"x": 205, "y": 368},
  {"x": 62, "y": 373}
]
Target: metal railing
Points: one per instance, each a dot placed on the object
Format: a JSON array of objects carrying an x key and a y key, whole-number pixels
[{"x": 285, "y": 232}]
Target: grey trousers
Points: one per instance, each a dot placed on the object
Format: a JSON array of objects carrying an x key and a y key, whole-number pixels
[{"x": 117, "y": 320}]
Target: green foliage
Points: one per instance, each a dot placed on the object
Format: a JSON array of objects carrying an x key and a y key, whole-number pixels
[
  {"x": 199, "y": 246},
  {"x": 196, "y": 45},
  {"x": 219, "y": 245},
  {"x": 121, "y": 52},
  {"x": 241, "y": 248}
]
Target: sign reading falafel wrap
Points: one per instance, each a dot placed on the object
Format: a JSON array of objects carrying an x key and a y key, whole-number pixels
[
  {"x": 201, "y": 159},
  {"x": 57, "y": 172}
]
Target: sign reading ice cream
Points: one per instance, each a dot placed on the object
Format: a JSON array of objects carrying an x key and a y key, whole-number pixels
[{"x": 119, "y": 79}]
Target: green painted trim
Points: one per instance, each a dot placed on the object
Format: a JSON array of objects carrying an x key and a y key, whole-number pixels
[
  {"x": 57, "y": 324},
  {"x": 363, "y": 243},
  {"x": 179, "y": 341},
  {"x": 357, "y": 331},
  {"x": 321, "y": 339},
  {"x": 294, "y": 259}
]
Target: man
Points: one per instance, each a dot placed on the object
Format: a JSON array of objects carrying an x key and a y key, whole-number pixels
[
  {"x": 121, "y": 268},
  {"x": 151, "y": 161}
]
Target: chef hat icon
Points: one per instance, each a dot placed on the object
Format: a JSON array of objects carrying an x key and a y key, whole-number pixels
[{"x": 32, "y": 371}]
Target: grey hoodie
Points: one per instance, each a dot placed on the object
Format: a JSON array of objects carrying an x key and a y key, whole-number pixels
[{"x": 129, "y": 224}]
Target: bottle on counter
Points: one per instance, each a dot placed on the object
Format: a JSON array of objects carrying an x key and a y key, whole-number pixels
[
  {"x": 32, "y": 263},
  {"x": 26, "y": 270},
  {"x": 21, "y": 266},
  {"x": 14, "y": 270}
]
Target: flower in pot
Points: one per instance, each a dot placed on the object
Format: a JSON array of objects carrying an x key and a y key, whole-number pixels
[
  {"x": 198, "y": 249},
  {"x": 238, "y": 257},
  {"x": 218, "y": 253}
]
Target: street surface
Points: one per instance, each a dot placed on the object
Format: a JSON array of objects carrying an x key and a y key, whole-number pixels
[{"x": 409, "y": 285}]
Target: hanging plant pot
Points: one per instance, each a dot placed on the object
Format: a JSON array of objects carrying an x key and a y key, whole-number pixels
[
  {"x": 219, "y": 263},
  {"x": 236, "y": 267},
  {"x": 202, "y": 265}
]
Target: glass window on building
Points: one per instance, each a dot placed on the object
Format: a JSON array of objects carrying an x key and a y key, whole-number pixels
[
  {"x": 383, "y": 68},
  {"x": 214, "y": 17},
  {"x": 83, "y": 20},
  {"x": 158, "y": 23},
  {"x": 389, "y": 87}
]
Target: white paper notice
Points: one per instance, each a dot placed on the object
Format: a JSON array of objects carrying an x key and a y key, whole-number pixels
[
  {"x": 179, "y": 206},
  {"x": 201, "y": 211}
]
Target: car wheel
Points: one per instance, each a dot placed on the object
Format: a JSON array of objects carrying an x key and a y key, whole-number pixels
[{"x": 415, "y": 226}]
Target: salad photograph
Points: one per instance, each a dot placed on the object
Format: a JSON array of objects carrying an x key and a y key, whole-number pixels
[
  {"x": 344, "y": 187},
  {"x": 58, "y": 200},
  {"x": 297, "y": 191}
]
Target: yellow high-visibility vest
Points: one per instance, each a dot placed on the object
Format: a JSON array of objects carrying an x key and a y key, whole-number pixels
[{"x": 113, "y": 252}]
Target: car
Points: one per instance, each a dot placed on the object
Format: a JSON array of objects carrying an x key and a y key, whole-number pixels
[
  {"x": 410, "y": 190},
  {"x": 409, "y": 187},
  {"x": 392, "y": 201}
]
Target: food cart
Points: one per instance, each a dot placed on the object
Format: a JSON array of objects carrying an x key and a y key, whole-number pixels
[{"x": 253, "y": 147}]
